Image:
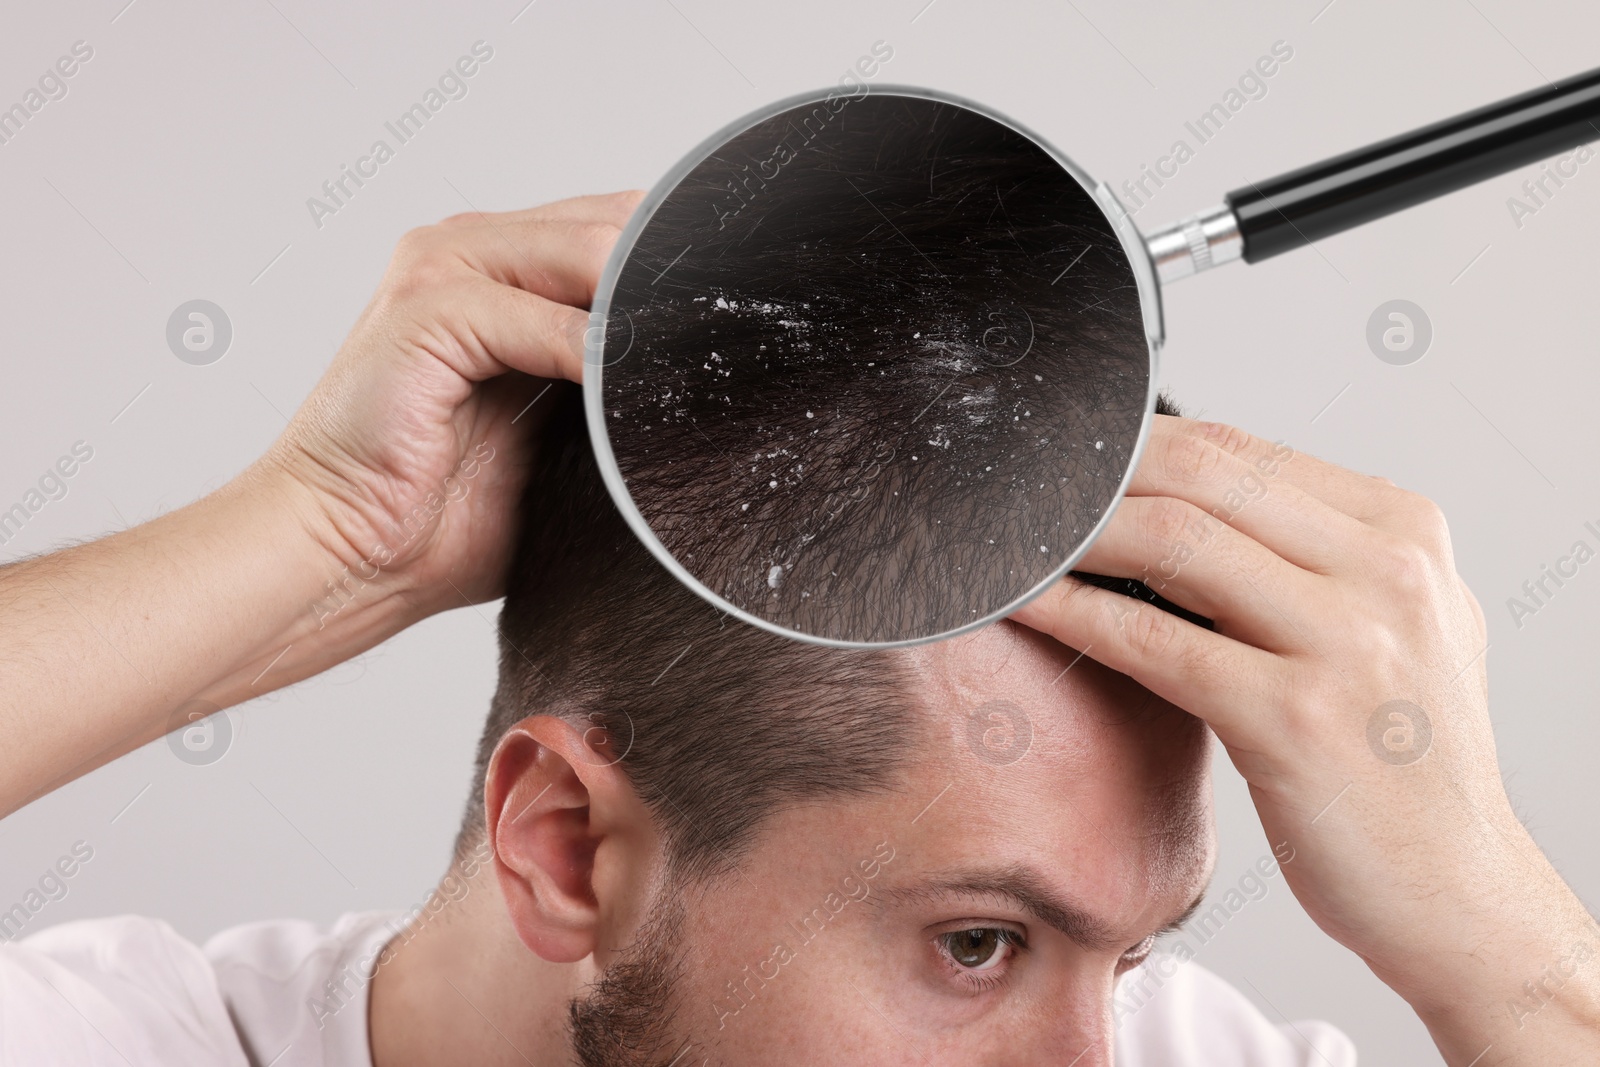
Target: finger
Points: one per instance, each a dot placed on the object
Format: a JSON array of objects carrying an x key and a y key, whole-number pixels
[
  {"x": 558, "y": 259},
  {"x": 1205, "y": 673},
  {"x": 613, "y": 209},
  {"x": 1357, "y": 495},
  {"x": 1201, "y": 563},
  {"x": 489, "y": 327},
  {"x": 1253, "y": 497},
  {"x": 1373, "y": 501},
  {"x": 556, "y": 250}
]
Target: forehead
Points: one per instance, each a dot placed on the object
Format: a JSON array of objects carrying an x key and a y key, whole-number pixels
[{"x": 1032, "y": 754}]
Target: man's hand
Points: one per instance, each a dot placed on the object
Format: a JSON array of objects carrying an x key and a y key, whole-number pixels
[
  {"x": 407, "y": 421},
  {"x": 390, "y": 495},
  {"x": 1346, "y": 680}
]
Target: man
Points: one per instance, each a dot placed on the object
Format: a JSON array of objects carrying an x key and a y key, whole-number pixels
[{"x": 867, "y": 866}]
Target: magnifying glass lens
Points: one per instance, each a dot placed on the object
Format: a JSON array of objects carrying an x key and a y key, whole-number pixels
[{"x": 873, "y": 370}]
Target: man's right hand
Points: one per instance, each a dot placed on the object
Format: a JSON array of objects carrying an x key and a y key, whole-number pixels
[
  {"x": 391, "y": 495},
  {"x": 417, "y": 410}
]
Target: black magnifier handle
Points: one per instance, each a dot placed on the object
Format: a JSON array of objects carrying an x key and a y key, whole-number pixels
[{"x": 1264, "y": 219}]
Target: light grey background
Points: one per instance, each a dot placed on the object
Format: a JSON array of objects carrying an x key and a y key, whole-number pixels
[{"x": 179, "y": 165}]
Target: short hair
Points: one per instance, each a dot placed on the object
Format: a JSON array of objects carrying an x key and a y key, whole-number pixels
[
  {"x": 716, "y": 723},
  {"x": 902, "y": 311}
]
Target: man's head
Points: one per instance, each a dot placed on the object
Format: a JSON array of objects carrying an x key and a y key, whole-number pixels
[{"x": 763, "y": 851}]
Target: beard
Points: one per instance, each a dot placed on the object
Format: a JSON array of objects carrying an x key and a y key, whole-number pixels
[{"x": 625, "y": 1020}]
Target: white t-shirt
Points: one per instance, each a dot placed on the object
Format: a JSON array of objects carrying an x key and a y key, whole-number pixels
[{"x": 130, "y": 992}]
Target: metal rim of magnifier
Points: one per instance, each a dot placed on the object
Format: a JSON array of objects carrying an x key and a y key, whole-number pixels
[{"x": 1133, "y": 246}]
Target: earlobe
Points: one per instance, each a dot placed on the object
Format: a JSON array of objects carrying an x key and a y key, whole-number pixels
[{"x": 539, "y": 817}]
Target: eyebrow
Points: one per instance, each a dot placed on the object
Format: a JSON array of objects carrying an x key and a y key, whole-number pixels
[{"x": 1024, "y": 888}]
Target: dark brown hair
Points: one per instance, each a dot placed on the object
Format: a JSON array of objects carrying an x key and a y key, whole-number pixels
[{"x": 715, "y": 722}]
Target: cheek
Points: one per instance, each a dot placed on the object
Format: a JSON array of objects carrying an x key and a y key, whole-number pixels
[{"x": 807, "y": 1003}]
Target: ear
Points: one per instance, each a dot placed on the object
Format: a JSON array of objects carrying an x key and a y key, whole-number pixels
[{"x": 574, "y": 847}]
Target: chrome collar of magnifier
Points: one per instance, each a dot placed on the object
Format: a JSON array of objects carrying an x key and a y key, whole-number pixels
[{"x": 1197, "y": 243}]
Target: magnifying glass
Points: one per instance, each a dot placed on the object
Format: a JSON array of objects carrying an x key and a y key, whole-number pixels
[{"x": 873, "y": 369}]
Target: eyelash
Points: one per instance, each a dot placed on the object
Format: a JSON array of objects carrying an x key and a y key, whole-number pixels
[{"x": 1140, "y": 952}]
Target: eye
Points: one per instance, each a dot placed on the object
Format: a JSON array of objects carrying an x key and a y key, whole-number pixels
[
  {"x": 1138, "y": 953},
  {"x": 981, "y": 948}
]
